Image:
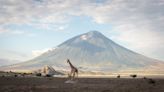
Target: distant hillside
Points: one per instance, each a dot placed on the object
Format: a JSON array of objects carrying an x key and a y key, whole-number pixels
[{"x": 91, "y": 51}]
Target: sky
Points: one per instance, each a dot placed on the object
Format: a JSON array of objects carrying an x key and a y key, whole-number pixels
[{"x": 29, "y": 28}]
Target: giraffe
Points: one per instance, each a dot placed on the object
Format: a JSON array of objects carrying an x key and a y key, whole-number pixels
[{"x": 74, "y": 70}]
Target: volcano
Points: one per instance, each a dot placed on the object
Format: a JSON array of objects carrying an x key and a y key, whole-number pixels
[{"x": 91, "y": 51}]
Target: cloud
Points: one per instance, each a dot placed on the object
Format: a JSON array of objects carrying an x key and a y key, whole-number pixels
[
  {"x": 3, "y": 30},
  {"x": 61, "y": 11},
  {"x": 50, "y": 27},
  {"x": 5, "y": 62},
  {"x": 40, "y": 14},
  {"x": 36, "y": 53},
  {"x": 13, "y": 55},
  {"x": 62, "y": 28},
  {"x": 34, "y": 11},
  {"x": 9, "y": 31},
  {"x": 17, "y": 32}
]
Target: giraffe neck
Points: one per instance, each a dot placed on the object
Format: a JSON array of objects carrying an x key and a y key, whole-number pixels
[{"x": 70, "y": 64}]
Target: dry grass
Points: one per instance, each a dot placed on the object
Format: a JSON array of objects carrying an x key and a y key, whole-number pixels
[{"x": 42, "y": 84}]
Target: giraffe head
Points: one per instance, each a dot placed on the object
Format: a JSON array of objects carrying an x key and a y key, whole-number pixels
[{"x": 68, "y": 61}]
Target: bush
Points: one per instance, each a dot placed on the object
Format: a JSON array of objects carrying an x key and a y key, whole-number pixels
[
  {"x": 3, "y": 75},
  {"x": 144, "y": 78},
  {"x": 151, "y": 81},
  {"x": 15, "y": 75},
  {"x": 47, "y": 75},
  {"x": 118, "y": 76},
  {"x": 134, "y": 75},
  {"x": 38, "y": 74}
]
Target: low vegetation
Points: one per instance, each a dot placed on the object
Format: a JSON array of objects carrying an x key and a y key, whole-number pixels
[
  {"x": 118, "y": 76},
  {"x": 133, "y": 76},
  {"x": 38, "y": 74}
]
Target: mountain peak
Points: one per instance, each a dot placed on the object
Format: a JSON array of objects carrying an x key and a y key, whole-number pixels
[
  {"x": 91, "y": 34},
  {"x": 94, "y": 32}
]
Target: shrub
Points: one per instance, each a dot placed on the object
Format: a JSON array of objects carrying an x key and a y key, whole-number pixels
[
  {"x": 144, "y": 78},
  {"x": 118, "y": 76},
  {"x": 15, "y": 75},
  {"x": 47, "y": 75},
  {"x": 38, "y": 74},
  {"x": 151, "y": 81},
  {"x": 134, "y": 75}
]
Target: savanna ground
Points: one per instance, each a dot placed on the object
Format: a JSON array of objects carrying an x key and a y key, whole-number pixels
[{"x": 51, "y": 84}]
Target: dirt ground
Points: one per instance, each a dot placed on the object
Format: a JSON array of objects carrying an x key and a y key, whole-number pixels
[{"x": 44, "y": 84}]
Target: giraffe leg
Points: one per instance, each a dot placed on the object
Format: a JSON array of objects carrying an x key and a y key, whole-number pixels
[
  {"x": 69, "y": 75},
  {"x": 77, "y": 74},
  {"x": 73, "y": 75}
]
